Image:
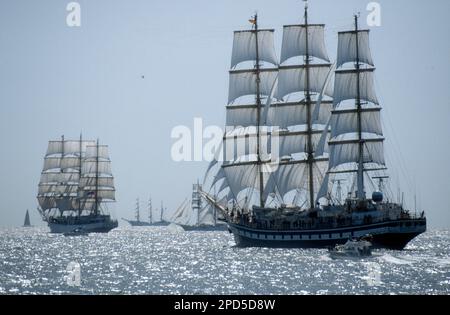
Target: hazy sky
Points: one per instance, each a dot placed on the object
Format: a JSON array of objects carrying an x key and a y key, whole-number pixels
[{"x": 56, "y": 80}]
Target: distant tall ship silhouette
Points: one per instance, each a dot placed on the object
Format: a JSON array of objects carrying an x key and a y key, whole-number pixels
[
  {"x": 196, "y": 215},
  {"x": 75, "y": 186},
  {"x": 151, "y": 222},
  {"x": 26, "y": 222},
  {"x": 289, "y": 195}
]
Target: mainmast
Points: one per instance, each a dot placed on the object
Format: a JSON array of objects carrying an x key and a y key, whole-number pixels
[
  {"x": 79, "y": 187},
  {"x": 310, "y": 149},
  {"x": 150, "y": 210},
  {"x": 62, "y": 169},
  {"x": 258, "y": 116},
  {"x": 96, "y": 181},
  {"x": 303, "y": 119},
  {"x": 360, "y": 193}
]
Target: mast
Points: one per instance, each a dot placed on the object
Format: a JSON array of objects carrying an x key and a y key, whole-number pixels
[
  {"x": 79, "y": 188},
  {"x": 96, "y": 182},
  {"x": 309, "y": 79},
  {"x": 310, "y": 159},
  {"x": 150, "y": 210},
  {"x": 214, "y": 207},
  {"x": 62, "y": 170},
  {"x": 161, "y": 211},
  {"x": 199, "y": 204},
  {"x": 258, "y": 116},
  {"x": 360, "y": 193},
  {"x": 137, "y": 210},
  {"x": 355, "y": 131},
  {"x": 255, "y": 45}
]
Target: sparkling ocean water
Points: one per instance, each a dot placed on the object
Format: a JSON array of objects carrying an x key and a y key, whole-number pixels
[{"x": 158, "y": 260}]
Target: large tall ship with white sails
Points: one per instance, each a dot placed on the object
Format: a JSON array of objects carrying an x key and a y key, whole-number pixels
[
  {"x": 295, "y": 144},
  {"x": 75, "y": 187}
]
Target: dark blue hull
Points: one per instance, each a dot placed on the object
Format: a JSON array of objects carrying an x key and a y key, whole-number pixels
[
  {"x": 393, "y": 234},
  {"x": 143, "y": 223},
  {"x": 218, "y": 227},
  {"x": 86, "y": 224}
]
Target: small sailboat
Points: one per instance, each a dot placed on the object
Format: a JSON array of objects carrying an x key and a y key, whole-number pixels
[{"x": 26, "y": 222}]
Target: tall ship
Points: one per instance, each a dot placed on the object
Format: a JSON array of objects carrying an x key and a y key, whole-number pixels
[
  {"x": 303, "y": 162},
  {"x": 75, "y": 187},
  {"x": 151, "y": 222},
  {"x": 196, "y": 214}
]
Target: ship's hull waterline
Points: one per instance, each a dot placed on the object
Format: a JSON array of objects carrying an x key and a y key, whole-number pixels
[
  {"x": 393, "y": 234},
  {"x": 143, "y": 223},
  {"x": 206, "y": 228},
  {"x": 94, "y": 225}
]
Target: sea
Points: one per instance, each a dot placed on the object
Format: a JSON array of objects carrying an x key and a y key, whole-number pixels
[{"x": 162, "y": 260}]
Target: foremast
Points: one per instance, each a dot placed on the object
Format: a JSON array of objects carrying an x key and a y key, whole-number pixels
[
  {"x": 310, "y": 149},
  {"x": 258, "y": 115},
  {"x": 244, "y": 153},
  {"x": 96, "y": 181}
]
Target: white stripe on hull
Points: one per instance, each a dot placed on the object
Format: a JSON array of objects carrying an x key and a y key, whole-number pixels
[{"x": 243, "y": 234}]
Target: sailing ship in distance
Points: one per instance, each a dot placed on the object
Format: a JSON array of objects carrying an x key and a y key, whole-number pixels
[
  {"x": 198, "y": 213},
  {"x": 75, "y": 187},
  {"x": 323, "y": 132},
  {"x": 151, "y": 222}
]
